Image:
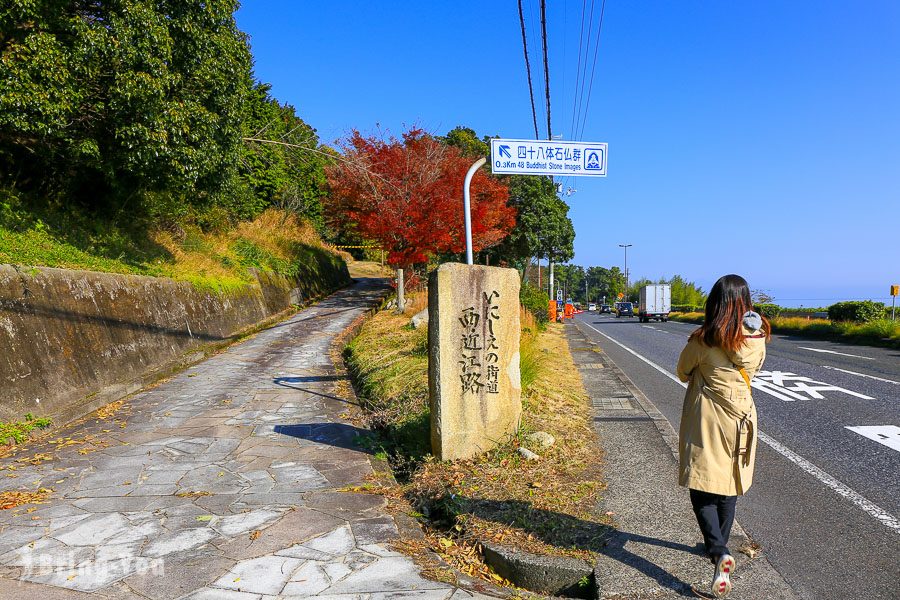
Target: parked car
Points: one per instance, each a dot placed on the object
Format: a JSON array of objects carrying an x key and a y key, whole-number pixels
[
  {"x": 592, "y": 306},
  {"x": 624, "y": 309},
  {"x": 605, "y": 308}
]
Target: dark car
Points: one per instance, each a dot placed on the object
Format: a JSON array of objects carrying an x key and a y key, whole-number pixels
[
  {"x": 624, "y": 309},
  {"x": 605, "y": 308}
]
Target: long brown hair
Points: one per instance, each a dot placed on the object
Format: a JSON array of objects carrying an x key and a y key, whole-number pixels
[{"x": 726, "y": 305}]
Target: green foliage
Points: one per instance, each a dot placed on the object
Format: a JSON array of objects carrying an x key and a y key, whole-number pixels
[
  {"x": 535, "y": 301},
  {"x": 768, "y": 310},
  {"x": 862, "y": 311},
  {"x": 685, "y": 292},
  {"x": 17, "y": 431},
  {"x": 288, "y": 175},
  {"x": 530, "y": 360},
  {"x": 467, "y": 141},
  {"x": 687, "y": 308},
  {"x": 111, "y": 103},
  {"x": 605, "y": 282}
]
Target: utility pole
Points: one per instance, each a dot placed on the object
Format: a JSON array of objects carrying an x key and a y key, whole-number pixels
[{"x": 626, "y": 247}]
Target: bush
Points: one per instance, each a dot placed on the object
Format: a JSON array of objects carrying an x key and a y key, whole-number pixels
[
  {"x": 687, "y": 308},
  {"x": 857, "y": 311},
  {"x": 768, "y": 310},
  {"x": 535, "y": 301}
]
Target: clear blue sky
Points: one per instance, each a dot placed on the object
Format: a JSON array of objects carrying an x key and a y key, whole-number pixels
[{"x": 761, "y": 138}]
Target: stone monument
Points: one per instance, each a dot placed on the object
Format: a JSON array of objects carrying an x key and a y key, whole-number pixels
[{"x": 473, "y": 358}]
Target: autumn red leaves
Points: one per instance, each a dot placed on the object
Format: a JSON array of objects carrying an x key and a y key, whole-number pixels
[{"x": 407, "y": 195}]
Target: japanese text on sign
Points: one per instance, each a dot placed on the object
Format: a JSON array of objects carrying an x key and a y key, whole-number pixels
[
  {"x": 479, "y": 352},
  {"x": 537, "y": 157}
]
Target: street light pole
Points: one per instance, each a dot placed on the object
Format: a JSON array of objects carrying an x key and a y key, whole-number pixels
[{"x": 626, "y": 247}]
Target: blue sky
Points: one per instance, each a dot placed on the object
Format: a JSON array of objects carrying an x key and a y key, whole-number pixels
[{"x": 761, "y": 138}]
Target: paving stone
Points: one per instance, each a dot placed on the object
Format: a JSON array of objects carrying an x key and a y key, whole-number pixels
[
  {"x": 179, "y": 542},
  {"x": 308, "y": 580},
  {"x": 385, "y": 575},
  {"x": 347, "y": 504},
  {"x": 220, "y": 594},
  {"x": 337, "y": 542},
  {"x": 181, "y": 576},
  {"x": 264, "y": 575},
  {"x": 93, "y": 530},
  {"x": 375, "y": 530},
  {"x": 294, "y": 527},
  {"x": 245, "y": 522}
]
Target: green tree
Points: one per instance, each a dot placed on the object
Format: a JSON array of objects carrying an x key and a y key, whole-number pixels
[
  {"x": 114, "y": 101},
  {"x": 282, "y": 162}
]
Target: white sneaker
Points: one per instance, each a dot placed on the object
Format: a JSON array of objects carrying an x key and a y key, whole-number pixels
[{"x": 721, "y": 585}]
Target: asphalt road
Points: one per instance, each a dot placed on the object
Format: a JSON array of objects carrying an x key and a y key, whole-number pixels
[{"x": 825, "y": 504}]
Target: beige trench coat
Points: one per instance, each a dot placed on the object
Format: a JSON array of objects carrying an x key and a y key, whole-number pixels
[{"x": 716, "y": 402}]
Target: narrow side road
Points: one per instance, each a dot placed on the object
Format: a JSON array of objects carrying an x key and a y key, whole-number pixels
[{"x": 222, "y": 483}]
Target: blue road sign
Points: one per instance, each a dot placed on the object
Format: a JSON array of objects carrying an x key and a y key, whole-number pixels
[{"x": 548, "y": 157}]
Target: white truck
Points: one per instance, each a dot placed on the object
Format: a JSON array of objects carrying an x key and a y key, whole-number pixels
[{"x": 656, "y": 303}]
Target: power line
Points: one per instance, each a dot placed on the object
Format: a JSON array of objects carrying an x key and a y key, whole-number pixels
[
  {"x": 578, "y": 70},
  {"x": 593, "y": 68},
  {"x": 528, "y": 69},
  {"x": 546, "y": 65},
  {"x": 578, "y": 112}
]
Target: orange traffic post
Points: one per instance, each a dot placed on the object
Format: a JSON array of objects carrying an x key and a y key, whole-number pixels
[{"x": 551, "y": 311}]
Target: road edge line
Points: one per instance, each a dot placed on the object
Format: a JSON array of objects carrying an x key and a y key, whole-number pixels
[{"x": 837, "y": 486}]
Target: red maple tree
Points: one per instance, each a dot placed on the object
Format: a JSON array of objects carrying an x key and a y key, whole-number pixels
[{"x": 408, "y": 195}]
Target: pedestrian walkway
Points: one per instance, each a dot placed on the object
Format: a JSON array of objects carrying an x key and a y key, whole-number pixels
[
  {"x": 657, "y": 550},
  {"x": 222, "y": 483}
]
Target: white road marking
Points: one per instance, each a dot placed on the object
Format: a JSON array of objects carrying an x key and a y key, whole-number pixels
[
  {"x": 889, "y": 435},
  {"x": 833, "y": 352},
  {"x": 862, "y": 375},
  {"x": 776, "y": 384},
  {"x": 841, "y": 489}
]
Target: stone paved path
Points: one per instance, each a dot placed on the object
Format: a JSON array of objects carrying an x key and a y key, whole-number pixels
[{"x": 222, "y": 485}]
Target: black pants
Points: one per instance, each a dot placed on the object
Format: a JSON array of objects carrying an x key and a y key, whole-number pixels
[{"x": 715, "y": 515}]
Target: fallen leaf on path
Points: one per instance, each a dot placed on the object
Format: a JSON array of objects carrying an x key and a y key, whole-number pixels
[
  {"x": 12, "y": 499},
  {"x": 110, "y": 409},
  {"x": 193, "y": 494}
]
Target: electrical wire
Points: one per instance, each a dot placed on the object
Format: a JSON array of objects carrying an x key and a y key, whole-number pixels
[
  {"x": 546, "y": 64},
  {"x": 593, "y": 68},
  {"x": 528, "y": 69},
  {"x": 580, "y": 101},
  {"x": 578, "y": 70}
]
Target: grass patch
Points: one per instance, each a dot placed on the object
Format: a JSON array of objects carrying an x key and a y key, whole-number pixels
[
  {"x": 545, "y": 506},
  {"x": 275, "y": 242},
  {"x": 18, "y": 431},
  {"x": 880, "y": 332}
]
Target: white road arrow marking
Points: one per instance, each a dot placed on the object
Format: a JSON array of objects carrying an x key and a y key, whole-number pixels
[
  {"x": 833, "y": 352},
  {"x": 889, "y": 435}
]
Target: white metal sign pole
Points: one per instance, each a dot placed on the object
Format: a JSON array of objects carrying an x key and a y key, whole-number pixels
[{"x": 467, "y": 207}]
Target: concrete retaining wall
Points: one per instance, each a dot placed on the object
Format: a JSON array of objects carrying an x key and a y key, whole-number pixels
[{"x": 73, "y": 340}]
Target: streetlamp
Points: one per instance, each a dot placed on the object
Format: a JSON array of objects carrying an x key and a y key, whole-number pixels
[{"x": 626, "y": 247}]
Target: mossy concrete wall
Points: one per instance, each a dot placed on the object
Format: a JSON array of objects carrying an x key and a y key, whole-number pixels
[{"x": 73, "y": 340}]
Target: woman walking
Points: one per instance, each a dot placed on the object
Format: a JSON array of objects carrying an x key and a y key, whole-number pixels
[{"x": 717, "y": 437}]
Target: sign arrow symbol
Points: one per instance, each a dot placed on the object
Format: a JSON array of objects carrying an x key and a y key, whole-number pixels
[{"x": 504, "y": 151}]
